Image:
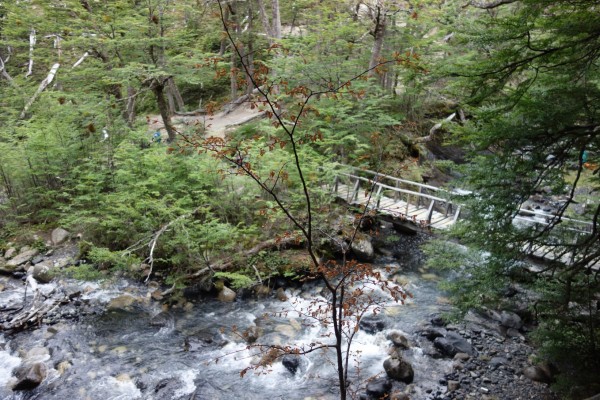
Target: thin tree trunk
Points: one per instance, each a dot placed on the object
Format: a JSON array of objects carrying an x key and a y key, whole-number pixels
[
  {"x": 233, "y": 82},
  {"x": 158, "y": 89},
  {"x": 224, "y": 41},
  {"x": 32, "y": 40},
  {"x": 264, "y": 19},
  {"x": 130, "y": 108},
  {"x": 249, "y": 59}
]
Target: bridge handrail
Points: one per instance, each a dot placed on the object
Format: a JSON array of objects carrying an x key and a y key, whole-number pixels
[
  {"x": 393, "y": 178},
  {"x": 574, "y": 224},
  {"x": 395, "y": 189}
]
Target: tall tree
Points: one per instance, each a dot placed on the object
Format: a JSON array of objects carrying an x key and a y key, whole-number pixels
[{"x": 529, "y": 77}]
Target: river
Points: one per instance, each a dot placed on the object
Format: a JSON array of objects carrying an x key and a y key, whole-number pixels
[{"x": 139, "y": 350}]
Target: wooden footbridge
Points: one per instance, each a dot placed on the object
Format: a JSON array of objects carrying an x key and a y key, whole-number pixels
[{"x": 424, "y": 206}]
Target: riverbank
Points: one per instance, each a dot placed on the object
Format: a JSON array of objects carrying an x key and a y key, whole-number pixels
[{"x": 115, "y": 339}]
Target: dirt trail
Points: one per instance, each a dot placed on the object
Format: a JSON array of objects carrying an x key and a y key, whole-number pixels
[{"x": 216, "y": 125}]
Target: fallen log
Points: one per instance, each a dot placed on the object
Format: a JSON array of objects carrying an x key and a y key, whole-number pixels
[{"x": 231, "y": 261}]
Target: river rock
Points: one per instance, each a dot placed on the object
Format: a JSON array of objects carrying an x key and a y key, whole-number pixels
[
  {"x": 4, "y": 268},
  {"x": 281, "y": 296},
  {"x": 122, "y": 302},
  {"x": 58, "y": 236},
  {"x": 372, "y": 324},
  {"x": 22, "y": 258},
  {"x": 30, "y": 376},
  {"x": 10, "y": 253},
  {"x": 379, "y": 388},
  {"x": 226, "y": 295},
  {"x": 453, "y": 385},
  {"x": 162, "y": 319},
  {"x": 398, "y": 340},
  {"x": 292, "y": 362},
  {"x": 262, "y": 291},
  {"x": 432, "y": 333},
  {"x": 252, "y": 334},
  {"x": 511, "y": 320},
  {"x": 43, "y": 271},
  {"x": 453, "y": 343},
  {"x": 399, "y": 369},
  {"x": 363, "y": 248},
  {"x": 538, "y": 374}
]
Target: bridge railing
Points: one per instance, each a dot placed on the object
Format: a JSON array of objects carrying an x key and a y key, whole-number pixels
[
  {"x": 546, "y": 219},
  {"x": 418, "y": 195}
]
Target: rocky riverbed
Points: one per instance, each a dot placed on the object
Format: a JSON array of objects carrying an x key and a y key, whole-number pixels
[{"x": 120, "y": 340}]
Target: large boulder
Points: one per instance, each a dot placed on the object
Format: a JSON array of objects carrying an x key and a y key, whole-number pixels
[
  {"x": 59, "y": 235},
  {"x": 226, "y": 295},
  {"x": 43, "y": 271},
  {"x": 372, "y": 323},
  {"x": 398, "y": 339},
  {"x": 399, "y": 370},
  {"x": 453, "y": 343},
  {"x": 510, "y": 320},
  {"x": 22, "y": 258},
  {"x": 30, "y": 376},
  {"x": 363, "y": 248}
]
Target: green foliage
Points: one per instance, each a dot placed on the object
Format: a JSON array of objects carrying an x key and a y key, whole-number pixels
[
  {"x": 236, "y": 279},
  {"x": 105, "y": 259},
  {"x": 83, "y": 272}
]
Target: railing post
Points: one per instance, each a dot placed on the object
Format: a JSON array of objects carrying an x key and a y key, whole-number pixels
[
  {"x": 419, "y": 198},
  {"x": 430, "y": 212},
  {"x": 407, "y": 203},
  {"x": 448, "y": 208},
  {"x": 336, "y": 182},
  {"x": 355, "y": 190},
  {"x": 456, "y": 214},
  {"x": 378, "y": 196}
]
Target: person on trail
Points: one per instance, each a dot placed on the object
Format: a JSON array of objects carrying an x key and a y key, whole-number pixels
[{"x": 156, "y": 137}]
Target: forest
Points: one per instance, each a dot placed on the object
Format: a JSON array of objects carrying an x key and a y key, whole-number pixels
[{"x": 191, "y": 146}]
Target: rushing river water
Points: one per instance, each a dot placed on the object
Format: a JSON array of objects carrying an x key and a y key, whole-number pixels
[{"x": 140, "y": 351}]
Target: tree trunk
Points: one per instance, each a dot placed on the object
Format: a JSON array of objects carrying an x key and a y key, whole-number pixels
[
  {"x": 233, "y": 82},
  {"x": 158, "y": 88},
  {"x": 130, "y": 108},
  {"x": 249, "y": 56},
  {"x": 264, "y": 19},
  {"x": 378, "y": 35},
  {"x": 174, "y": 90},
  {"x": 276, "y": 20}
]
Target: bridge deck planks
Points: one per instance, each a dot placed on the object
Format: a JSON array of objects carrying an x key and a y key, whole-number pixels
[{"x": 394, "y": 207}]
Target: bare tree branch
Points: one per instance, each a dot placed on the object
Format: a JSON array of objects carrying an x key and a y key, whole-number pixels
[
  {"x": 487, "y": 5},
  {"x": 40, "y": 89}
]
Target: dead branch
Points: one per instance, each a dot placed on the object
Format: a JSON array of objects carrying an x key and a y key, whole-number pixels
[
  {"x": 434, "y": 129},
  {"x": 156, "y": 236},
  {"x": 40, "y": 89},
  {"x": 32, "y": 39},
  {"x": 83, "y": 57},
  {"x": 489, "y": 4},
  {"x": 3, "y": 70},
  {"x": 41, "y": 305}
]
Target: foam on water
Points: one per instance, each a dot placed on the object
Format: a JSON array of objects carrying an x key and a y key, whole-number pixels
[{"x": 8, "y": 362}]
